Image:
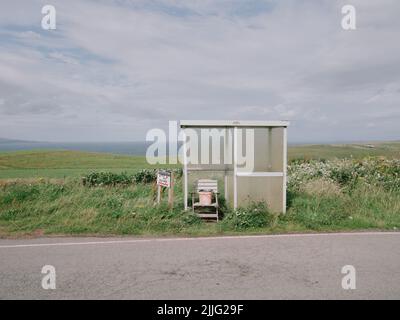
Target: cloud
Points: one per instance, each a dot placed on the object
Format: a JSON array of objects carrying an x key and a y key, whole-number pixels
[{"x": 114, "y": 69}]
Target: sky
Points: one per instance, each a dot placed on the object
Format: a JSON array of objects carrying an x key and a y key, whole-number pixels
[{"x": 114, "y": 69}]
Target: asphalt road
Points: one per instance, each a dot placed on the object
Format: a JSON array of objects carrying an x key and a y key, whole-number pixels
[{"x": 258, "y": 267}]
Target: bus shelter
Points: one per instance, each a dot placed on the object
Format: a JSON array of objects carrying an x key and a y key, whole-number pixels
[{"x": 247, "y": 158}]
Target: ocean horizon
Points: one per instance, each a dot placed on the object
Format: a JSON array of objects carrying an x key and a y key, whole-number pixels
[
  {"x": 136, "y": 148},
  {"x": 128, "y": 148}
]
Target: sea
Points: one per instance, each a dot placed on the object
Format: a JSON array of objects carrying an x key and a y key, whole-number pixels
[{"x": 128, "y": 148}]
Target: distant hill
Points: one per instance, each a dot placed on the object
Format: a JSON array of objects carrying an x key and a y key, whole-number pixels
[{"x": 3, "y": 140}]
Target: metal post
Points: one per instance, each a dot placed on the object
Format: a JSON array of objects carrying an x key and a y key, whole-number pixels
[
  {"x": 227, "y": 155},
  {"x": 235, "y": 156},
  {"x": 185, "y": 173},
  {"x": 269, "y": 156},
  {"x": 284, "y": 168}
]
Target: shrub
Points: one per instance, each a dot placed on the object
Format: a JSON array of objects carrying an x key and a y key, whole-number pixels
[
  {"x": 346, "y": 172},
  {"x": 106, "y": 179},
  {"x": 321, "y": 187},
  {"x": 256, "y": 215},
  {"x": 113, "y": 179},
  {"x": 145, "y": 176}
]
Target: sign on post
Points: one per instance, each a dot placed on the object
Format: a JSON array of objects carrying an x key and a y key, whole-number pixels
[{"x": 165, "y": 179}]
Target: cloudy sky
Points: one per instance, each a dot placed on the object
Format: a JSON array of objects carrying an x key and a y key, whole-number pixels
[{"x": 114, "y": 69}]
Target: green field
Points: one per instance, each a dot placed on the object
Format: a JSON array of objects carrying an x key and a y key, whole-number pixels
[
  {"x": 344, "y": 188},
  {"x": 356, "y": 150},
  {"x": 60, "y": 164}
]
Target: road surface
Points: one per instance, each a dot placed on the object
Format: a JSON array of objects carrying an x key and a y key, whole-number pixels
[{"x": 251, "y": 267}]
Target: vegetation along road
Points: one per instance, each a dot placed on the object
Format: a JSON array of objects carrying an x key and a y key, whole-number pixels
[{"x": 330, "y": 188}]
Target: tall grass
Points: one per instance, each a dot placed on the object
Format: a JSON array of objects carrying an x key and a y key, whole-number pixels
[
  {"x": 321, "y": 197},
  {"x": 73, "y": 208}
]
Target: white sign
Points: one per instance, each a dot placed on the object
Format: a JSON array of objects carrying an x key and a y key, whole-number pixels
[{"x": 164, "y": 178}]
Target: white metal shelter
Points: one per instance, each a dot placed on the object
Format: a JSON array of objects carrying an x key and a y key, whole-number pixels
[{"x": 249, "y": 158}]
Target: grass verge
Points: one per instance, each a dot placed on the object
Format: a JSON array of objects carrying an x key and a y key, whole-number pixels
[{"x": 54, "y": 207}]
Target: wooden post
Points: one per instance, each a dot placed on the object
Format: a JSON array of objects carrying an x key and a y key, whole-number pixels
[
  {"x": 154, "y": 191},
  {"x": 171, "y": 192},
  {"x": 158, "y": 194}
]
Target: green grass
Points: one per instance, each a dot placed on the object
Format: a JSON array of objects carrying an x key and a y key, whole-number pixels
[
  {"x": 363, "y": 208},
  {"x": 50, "y": 199},
  {"x": 56, "y": 159},
  {"x": 341, "y": 151},
  {"x": 43, "y": 207},
  {"x": 60, "y": 164}
]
